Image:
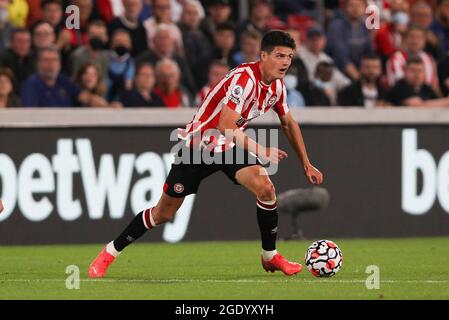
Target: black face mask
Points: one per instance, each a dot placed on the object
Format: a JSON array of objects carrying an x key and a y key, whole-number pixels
[
  {"x": 96, "y": 44},
  {"x": 121, "y": 50}
]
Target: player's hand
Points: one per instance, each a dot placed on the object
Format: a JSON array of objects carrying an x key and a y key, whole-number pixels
[
  {"x": 273, "y": 155},
  {"x": 313, "y": 174}
]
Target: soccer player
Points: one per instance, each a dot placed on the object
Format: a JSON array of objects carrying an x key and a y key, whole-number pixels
[{"x": 246, "y": 92}]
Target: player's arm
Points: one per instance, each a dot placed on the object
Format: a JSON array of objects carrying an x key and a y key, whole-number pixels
[
  {"x": 291, "y": 129},
  {"x": 227, "y": 125}
]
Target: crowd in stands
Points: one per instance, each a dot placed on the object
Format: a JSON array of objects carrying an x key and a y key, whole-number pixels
[{"x": 169, "y": 53}]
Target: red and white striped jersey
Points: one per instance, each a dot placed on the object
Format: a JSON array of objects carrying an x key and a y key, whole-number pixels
[
  {"x": 396, "y": 65},
  {"x": 243, "y": 91}
]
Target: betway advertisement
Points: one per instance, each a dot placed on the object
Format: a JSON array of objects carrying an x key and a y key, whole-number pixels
[{"x": 83, "y": 185}]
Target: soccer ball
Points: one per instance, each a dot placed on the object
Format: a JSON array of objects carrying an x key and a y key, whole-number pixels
[{"x": 323, "y": 258}]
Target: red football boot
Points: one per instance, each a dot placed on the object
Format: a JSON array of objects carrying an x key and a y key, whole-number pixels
[
  {"x": 278, "y": 262},
  {"x": 100, "y": 265}
]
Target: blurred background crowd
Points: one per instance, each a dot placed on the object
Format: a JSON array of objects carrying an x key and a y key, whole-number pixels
[{"x": 169, "y": 53}]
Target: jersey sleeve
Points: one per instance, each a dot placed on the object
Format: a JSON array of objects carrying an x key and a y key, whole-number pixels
[
  {"x": 240, "y": 89},
  {"x": 281, "y": 106}
]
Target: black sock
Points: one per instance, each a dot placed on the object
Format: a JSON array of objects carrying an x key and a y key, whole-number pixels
[
  {"x": 267, "y": 218},
  {"x": 132, "y": 232}
]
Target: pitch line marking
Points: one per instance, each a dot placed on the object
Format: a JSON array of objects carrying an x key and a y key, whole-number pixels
[{"x": 223, "y": 281}]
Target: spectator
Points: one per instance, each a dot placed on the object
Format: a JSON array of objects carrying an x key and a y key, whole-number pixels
[
  {"x": 129, "y": 21},
  {"x": 218, "y": 12},
  {"x": 217, "y": 71},
  {"x": 443, "y": 75},
  {"x": 162, "y": 14},
  {"x": 389, "y": 37},
  {"x": 88, "y": 77},
  {"x": 5, "y": 27},
  {"x": 142, "y": 94},
  {"x": 34, "y": 13},
  {"x": 48, "y": 87},
  {"x": 399, "y": 6},
  {"x": 196, "y": 46},
  {"x": 94, "y": 51},
  {"x": 322, "y": 79},
  {"x": 294, "y": 97},
  {"x": 348, "y": 38},
  {"x": 78, "y": 37},
  {"x": 121, "y": 65},
  {"x": 18, "y": 57},
  {"x": 168, "y": 85},
  {"x": 412, "y": 90},
  {"x": 8, "y": 99},
  {"x": 440, "y": 25},
  {"x": 43, "y": 36},
  {"x": 422, "y": 16},
  {"x": 312, "y": 53},
  {"x": 413, "y": 45},
  {"x": 224, "y": 42},
  {"x": 249, "y": 47},
  {"x": 18, "y": 12},
  {"x": 259, "y": 15},
  {"x": 165, "y": 48},
  {"x": 366, "y": 92}
]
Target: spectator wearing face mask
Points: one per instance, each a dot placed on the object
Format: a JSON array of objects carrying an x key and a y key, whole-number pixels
[
  {"x": 121, "y": 65},
  {"x": 94, "y": 51},
  {"x": 294, "y": 97}
]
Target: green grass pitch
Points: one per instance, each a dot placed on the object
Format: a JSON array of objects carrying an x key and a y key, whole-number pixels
[{"x": 409, "y": 269}]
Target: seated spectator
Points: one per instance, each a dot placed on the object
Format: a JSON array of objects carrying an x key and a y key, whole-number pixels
[
  {"x": 5, "y": 26},
  {"x": 440, "y": 25},
  {"x": 94, "y": 51},
  {"x": 8, "y": 99},
  {"x": 48, "y": 87},
  {"x": 259, "y": 15},
  {"x": 443, "y": 75},
  {"x": 129, "y": 21},
  {"x": 224, "y": 42},
  {"x": 88, "y": 77},
  {"x": 312, "y": 53},
  {"x": 348, "y": 38},
  {"x": 43, "y": 36},
  {"x": 162, "y": 14},
  {"x": 121, "y": 65},
  {"x": 142, "y": 94},
  {"x": 196, "y": 46},
  {"x": 322, "y": 79},
  {"x": 218, "y": 12},
  {"x": 422, "y": 16},
  {"x": 294, "y": 97},
  {"x": 367, "y": 91},
  {"x": 413, "y": 45},
  {"x": 389, "y": 37},
  {"x": 18, "y": 57},
  {"x": 168, "y": 85},
  {"x": 413, "y": 91},
  {"x": 165, "y": 48},
  {"x": 249, "y": 47},
  {"x": 217, "y": 71}
]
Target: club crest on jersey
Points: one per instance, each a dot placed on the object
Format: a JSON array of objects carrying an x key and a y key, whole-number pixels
[
  {"x": 271, "y": 101},
  {"x": 178, "y": 187}
]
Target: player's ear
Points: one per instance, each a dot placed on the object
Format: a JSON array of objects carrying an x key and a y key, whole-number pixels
[{"x": 263, "y": 55}]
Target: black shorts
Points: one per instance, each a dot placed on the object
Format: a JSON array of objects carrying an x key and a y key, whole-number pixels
[{"x": 185, "y": 176}]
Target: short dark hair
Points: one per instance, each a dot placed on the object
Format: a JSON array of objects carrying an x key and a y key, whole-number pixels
[
  {"x": 277, "y": 38},
  {"x": 370, "y": 56},
  {"x": 225, "y": 26},
  {"x": 45, "y": 3},
  {"x": 17, "y": 31}
]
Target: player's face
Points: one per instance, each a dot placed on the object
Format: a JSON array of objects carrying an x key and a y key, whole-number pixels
[{"x": 277, "y": 62}]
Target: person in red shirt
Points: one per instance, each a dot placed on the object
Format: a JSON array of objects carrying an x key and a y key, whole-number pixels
[
  {"x": 389, "y": 37},
  {"x": 246, "y": 92},
  {"x": 168, "y": 85}
]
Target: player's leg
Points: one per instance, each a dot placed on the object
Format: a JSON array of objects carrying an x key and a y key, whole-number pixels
[
  {"x": 267, "y": 217},
  {"x": 164, "y": 211}
]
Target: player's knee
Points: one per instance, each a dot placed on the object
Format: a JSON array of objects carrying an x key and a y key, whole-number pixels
[{"x": 266, "y": 192}]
